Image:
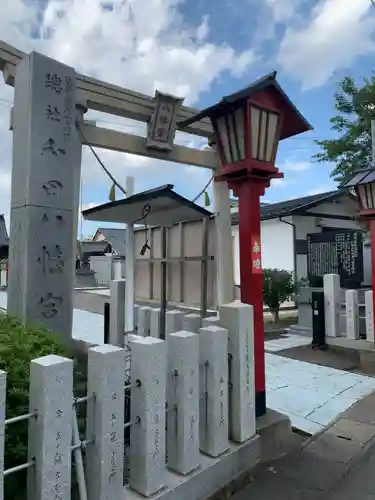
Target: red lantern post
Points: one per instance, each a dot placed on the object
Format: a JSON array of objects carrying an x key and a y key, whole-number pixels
[{"x": 248, "y": 126}]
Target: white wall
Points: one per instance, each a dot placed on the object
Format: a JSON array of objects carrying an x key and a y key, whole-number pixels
[{"x": 277, "y": 246}]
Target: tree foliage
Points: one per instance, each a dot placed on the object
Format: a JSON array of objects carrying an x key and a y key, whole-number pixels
[
  {"x": 278, "y": 286},
  {"x": 356, "y": 108}
]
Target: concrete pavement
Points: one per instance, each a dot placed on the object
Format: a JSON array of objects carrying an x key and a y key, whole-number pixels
[{"x": 339, "y": 464}]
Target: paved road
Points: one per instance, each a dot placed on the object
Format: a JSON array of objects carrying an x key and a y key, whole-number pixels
[{"x": 338, "y": 465}]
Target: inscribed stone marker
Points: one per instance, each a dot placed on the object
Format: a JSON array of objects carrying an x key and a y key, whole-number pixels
[
  {"x": 50, "y": 435},
  {"x": 183, "y": 393},
  {"x": 213, "y": 412},
  {"x": 238, "y": 319},
  {"x": 46, "y": 149},
  {"x": 147, "y": 453},
  {"x": 105, "y": 422}
]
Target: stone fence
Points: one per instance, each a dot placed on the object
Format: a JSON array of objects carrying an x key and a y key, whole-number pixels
[
  {"x": 348, "y": 313},
  {"x": 192, "y": 413}
]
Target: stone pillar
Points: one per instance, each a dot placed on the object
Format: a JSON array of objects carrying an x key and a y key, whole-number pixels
[
  {"x": 332, "y": 299},
  {"x": 183, "y": 394},
  {"x": 173, "y": 321},
  {"x": 211, "y": 320},
  {"x": 105, "y": 422},
  {"x": 50, "y": 434},
  {"x": 144, "y": 321},
  {"x": 213, "y": 399},
  {"x": 155, "y": 322},
  {"x": 351, "y": 310},
  {"x": 369, "y": 311},
  {"x": 147, "y": 453},
  {"x": 238, "y": 319},
  {"x": 191, "y": 322},
  {"x": 117, "y": 313},
  {"x": 3, "y": 393},
  {"x": 46, "y": 152}
]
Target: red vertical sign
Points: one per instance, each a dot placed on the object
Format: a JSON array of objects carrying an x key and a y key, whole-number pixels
[{"x": 256, "y": 257}]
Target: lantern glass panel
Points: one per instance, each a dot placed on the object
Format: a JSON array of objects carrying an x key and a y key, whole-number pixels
[
  {"x": 239, "y": 120},
  {"x": 263, "y": 133},
  {"x": 262, "y": 143},
  {"x": 224, "y": 138},
  {"x": 273, "y": 120},
  {"x": 231, "y": 130},
  {"x": 254, "y": 131}
]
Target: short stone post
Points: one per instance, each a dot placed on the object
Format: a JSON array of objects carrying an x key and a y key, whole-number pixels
[
  {"x": 144, "y": 321},
  {"x": 136, "y": 311},
  {"x": 211, "y": 320},
  {"x": 351, "y": 310},
  {"x": 238, "y": 319},
  {"x": 117, "y": 313},
  {"x": 183, "y": 396},
  {"x": 105, "y": 422},
  {"x": 213, "y": 414},
  {"x": 191, "y": 322},
  {"x": 147, "y": 433},
  {"x": 369, "y": 311},
  {"x": 155, "y": 322},
  {"x": 3, "y": 393},
  {"x": 332, "y": 299},
  {"x": 173, "y": 321},
  {"x": 50, "y": 434}
]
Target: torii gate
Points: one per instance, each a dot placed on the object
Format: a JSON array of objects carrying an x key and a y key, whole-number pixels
[{"x": 45, "y": 203}]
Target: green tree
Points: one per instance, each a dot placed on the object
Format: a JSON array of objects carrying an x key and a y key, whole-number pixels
[
  {"x": 278, "y": 286},
  {"x": 356, "y": 108}
]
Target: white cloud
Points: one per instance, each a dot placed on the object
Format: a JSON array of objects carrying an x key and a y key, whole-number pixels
[
  {"x": 279, "y": 183},
  {"x": 336, "y": 33},
  {"x": 138, "y": 44},
  {"x": 323, "y": 188},
  {"x": 282, "y": 10},
  {"x": 294, "y": 166}
]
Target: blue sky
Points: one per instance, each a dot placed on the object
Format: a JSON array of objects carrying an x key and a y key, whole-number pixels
[{"x": 201, "y": 49}]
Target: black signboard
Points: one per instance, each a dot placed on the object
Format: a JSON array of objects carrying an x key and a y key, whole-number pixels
[{"x": 335, "y": 252}]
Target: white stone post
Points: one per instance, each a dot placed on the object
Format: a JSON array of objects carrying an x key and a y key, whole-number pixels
[
  {"x": 224, "y": 252},
  {"x": 369, "y": 311},
  {"x": 105, "y": 422},
  {"x": 117, "y": 313},
  {"x": 3, "y": 393},
  {"x": 352, "y": 317},
  {"x": 183, "y": 394},
  {"x": 173, "y": 321},
  {"x": 213, "y": 414},
  {"x": 211, "y": 320},
  {"x": 332, "y": 299},
  {"x": 144, "y": 313},
  {"x": 129, "y": 266},
  {"x": 155, "y": 322},
  {"x": 44, "y": 194},
  {"x": 147, "y": 434},
  {"x": 136, "y": 311},
  {"x": 191, "y": 322},
  {"x": 238, "y": 319},
  {"x": 50, "y": 434}
]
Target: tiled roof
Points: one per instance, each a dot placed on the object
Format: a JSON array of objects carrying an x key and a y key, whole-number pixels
[
  {"x": 115, "y": 237},
  {"x": 289, "y": 207},
  {"x": 4, "y": 240}
]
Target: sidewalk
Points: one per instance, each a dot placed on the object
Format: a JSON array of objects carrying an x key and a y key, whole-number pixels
[{"x": 339, "y": 464}]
